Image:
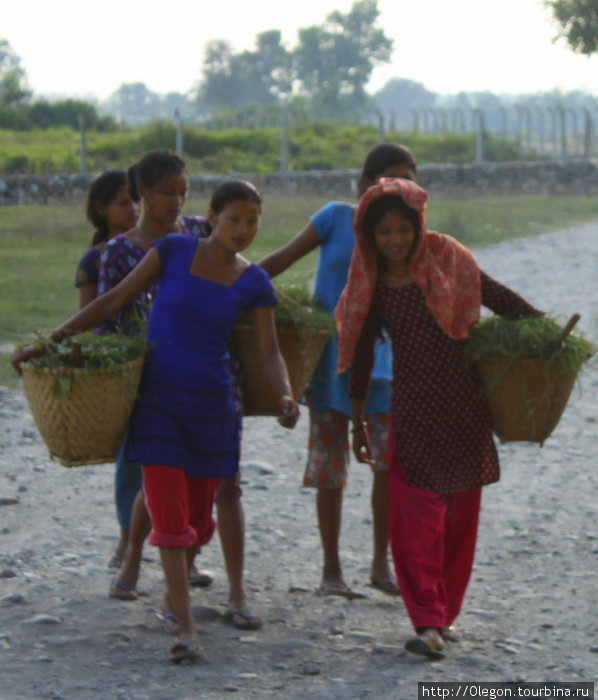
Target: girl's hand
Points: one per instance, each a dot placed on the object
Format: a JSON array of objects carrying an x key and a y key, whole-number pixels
[
  {"x": 361, "y": 445},
  {"x": 290, "y": 412},
  {"x": 27, "y": 353}
]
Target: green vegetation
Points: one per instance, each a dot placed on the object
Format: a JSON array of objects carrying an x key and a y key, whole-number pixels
[
  {"x": 528, "y": 338},
  {"x": 314, "y": 146},
  {"x": 40, "y": 247},
  {"x": 90, "y": 351},
  {"x": 296, "y": 309}
]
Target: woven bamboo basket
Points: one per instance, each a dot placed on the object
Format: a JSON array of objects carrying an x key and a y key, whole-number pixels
[
  {"x": 85, "y": 423},
  {"x": 526, "y": 397},
  {"x": 301, "y": 349}
]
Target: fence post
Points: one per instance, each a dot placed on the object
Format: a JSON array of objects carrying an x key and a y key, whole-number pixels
[
  {"x": 563, "y": 130},
  {"x": 481, "y": 128},
  {"x": 381, "y": 129},
  {"x": 415, "y": 117},
  {"x": 587, "y": 133},
  {"x": 82, "y": 145},
  {"x": 178, "y": 146},
  {"x": 284, "y": 151}
]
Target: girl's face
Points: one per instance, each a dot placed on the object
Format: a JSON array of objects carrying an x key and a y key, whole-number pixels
[
  {"x": 121, "y": 213},
  {"x": 236, "y": 225},
  {"x": 394, "y": 237},
  {"x": 164, "y": 201}
]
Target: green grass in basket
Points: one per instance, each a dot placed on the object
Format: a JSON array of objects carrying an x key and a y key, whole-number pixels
[
  {"x": 97, "y": 351},
  {"x": 296, "y": 309},
  {"x": 528, "y": 338}
]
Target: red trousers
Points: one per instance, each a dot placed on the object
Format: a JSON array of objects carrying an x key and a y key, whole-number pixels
[
  {"x": 180, "y": 506},
  {"x": 433, "y": 538}
]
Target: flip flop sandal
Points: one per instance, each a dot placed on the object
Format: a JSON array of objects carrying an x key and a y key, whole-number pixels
[
  {"x": 339, "y": 589},
  {"x": 119, "y": 590},
  {"x": 200, "y": 579},
  {"x": 171, "y": 624},
  {"x": 185, "y": 652},
  {"x": 385, "y": 585},
  {"x": 247, "y": 622},
  {"x": 419, "y": 645}
]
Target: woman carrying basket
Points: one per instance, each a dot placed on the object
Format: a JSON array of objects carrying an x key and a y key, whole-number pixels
[
  {"x": 426, "y": 290},
  {"x": 184, "y": 428}
]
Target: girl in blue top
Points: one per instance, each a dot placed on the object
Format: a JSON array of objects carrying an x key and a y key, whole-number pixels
[
  {"x": 330, "y": 406},
  {"x": 184, "y": 428}
]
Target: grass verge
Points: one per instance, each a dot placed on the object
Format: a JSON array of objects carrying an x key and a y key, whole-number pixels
[{"x": 41, "y": 245}]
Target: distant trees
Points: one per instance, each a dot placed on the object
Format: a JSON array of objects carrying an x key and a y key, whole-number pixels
[
  {"x": 135, "y": 103},
  {"x": 251, "y": 77},
  {"x": 579, "y": 23},
  {"x": 13, "y": 81},
  {"x": 330, "y": 66},
  {"x": 399, "y": 97}
]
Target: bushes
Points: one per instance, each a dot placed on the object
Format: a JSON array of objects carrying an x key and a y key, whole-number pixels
[{"x": 311, "y": 146}]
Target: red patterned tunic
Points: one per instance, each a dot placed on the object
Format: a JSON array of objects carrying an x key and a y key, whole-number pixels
[{"x": 440, "y": 416}]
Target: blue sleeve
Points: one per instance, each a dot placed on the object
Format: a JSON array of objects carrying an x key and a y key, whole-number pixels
[
  {"x": 164, "y": 248},
  {"x": 88, "y": 269},
  {"x": 264, "y": 294},
  {"x": 323, "y": 220}
]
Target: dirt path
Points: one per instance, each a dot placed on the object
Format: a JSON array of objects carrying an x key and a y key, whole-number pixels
[{"x": 530, "y": 613}]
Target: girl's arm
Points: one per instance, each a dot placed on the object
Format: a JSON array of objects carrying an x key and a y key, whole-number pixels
[
  {"x": 274, "y": 365},
  {"x": 361, "y": 439},
  {"x": 504, "y": 301},
  {"x": 87, "y": 293},
  {"x": 359, "y": 384},
  {"x": 301, "y": 244},
  {"x": 102, "y": 307}
]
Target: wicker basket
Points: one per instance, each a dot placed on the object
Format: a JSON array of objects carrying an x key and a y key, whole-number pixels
[
  {"x": 85, "y": 423},
  {"x": 526, "y": 397},
  {"x": 301, "y": 350}
]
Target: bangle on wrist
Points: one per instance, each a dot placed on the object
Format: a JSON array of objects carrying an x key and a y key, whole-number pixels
[{"x": 359, "y": 426}]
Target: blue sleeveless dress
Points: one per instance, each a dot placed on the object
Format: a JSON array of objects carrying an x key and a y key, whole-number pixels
[{"x": 185, "y": 415}]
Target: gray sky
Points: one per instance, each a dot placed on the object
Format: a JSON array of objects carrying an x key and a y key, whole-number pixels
[{"x": 80, "y": 48}]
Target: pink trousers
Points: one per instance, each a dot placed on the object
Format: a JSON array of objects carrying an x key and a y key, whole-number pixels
[{"x": 433, "y": 538}]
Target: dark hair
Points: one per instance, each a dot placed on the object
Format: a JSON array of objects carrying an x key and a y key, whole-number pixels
[
  {"x": 380, "y": 207},
  {"x": 384, "y": 156},
  {"x": 233, "y": 191},
  {"x": 152, "y": 167},
  {"x": 132, "y": 180},
  {"x": 102, "y": 191}
]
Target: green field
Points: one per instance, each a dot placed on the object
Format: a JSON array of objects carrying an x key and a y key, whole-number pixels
[{"x": 41, "y": 245}]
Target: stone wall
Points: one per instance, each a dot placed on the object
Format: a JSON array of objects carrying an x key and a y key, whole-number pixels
[{"x": 547, "y": 177}]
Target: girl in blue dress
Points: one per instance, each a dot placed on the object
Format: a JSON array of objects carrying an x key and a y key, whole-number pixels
[
  {"x": 184, "y": 429},
  {"x": 330, "y": 408}
]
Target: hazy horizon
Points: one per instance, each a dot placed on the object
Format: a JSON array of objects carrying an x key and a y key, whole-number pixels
[{"x": 448, "y": 47}]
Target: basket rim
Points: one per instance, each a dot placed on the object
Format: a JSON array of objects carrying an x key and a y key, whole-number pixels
[
  {"x": 311, "y": 329},
  {"x": 28, "y": 367},
  {"x": 522, "y": 360}
]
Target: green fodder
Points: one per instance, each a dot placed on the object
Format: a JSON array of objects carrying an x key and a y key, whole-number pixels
[
  {"x": 527, "y": 338},
  {"x": 296, "y": 309},
  {"x": 91, "y": 351}
]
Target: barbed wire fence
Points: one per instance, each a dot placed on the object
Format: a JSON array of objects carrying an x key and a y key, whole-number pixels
[{"x": 557, "y": 132}]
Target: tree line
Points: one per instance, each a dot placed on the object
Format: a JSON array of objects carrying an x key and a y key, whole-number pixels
[{"x": 325, "y": 75}]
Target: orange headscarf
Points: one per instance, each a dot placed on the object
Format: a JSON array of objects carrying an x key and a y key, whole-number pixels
[{"x": 444, "y": 270}]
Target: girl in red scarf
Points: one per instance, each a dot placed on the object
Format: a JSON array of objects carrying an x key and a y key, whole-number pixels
[{"x": 426, "y": 290}]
